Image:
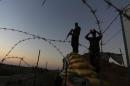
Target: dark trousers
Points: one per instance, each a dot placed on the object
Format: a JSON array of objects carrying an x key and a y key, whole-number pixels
[
  {"x": 75, "y": 45},
  {"x": 95, "y": 60}
]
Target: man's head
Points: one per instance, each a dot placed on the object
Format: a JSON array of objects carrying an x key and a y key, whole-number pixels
[
  {"x": 93, "y": 32},
  {"x": 76, "y": 24}
]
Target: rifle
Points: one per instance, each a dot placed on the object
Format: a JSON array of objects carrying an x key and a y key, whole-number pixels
[{"x": 70, "y": 33}]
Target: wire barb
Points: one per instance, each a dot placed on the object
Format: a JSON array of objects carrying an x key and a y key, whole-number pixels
[
  {"x": 93, "y": 11},
  {"x": 118, "y": 10},
  {"x": 43, "y": 3},
  {"x": 108, "y": 27}
]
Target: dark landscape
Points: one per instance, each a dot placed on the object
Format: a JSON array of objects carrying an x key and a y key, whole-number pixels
[{"x": 12, "y": 75}]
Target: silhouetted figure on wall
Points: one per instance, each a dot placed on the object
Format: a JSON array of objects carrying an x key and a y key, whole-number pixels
[
  {"x": 75, "y": 37},
  {"x": 94, "y": 48}
]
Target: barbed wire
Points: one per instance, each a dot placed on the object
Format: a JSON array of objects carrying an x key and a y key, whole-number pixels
[
  {"x": 20, "y": 58},
  {"x": 113, "y": 36},
  {"x": 23, "y": 40},
  {"x": 97, "y": 20},
  {"x": 127, "y": 7},
  {"x": 8, "y": 58},
  {"x": 16, "y": 45},
  {"x": 26, "y": 62},
  {"x": 37, "y": 36},
  {"x": 117, "y": 9},
  {"x": 26, "y": 33},
  {"x": 43, "y": 3},
  {"x": 93, "y": 11},
  {"x": 110, "y": 4},
  {"x": 63, "y": 41},
  {"x": 56, "y": 48},
  {"x": 108, "y": 27}
]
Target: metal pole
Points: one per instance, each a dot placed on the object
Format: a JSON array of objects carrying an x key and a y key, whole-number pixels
[
  {"x": 35, "y": 70},
  {"x": 124, "y": 39},
  {"x": 66, "y": 74},
  {"x": 118, "y": 10},
  {"x": 125, "y": 44},
  {"x": 38, "y": 58},
  {"x": 20, "y": 62},
  {"x": 46, "y": 65},
  {"x": 123, "y": 32},
  {"x": 122, "y": 56}
]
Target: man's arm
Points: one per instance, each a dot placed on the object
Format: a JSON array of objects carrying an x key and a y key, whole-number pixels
[
  {"x": 87, "y": 36},
  {"x": 100, "y": 34},
  {"x": 70, "y": 33}
]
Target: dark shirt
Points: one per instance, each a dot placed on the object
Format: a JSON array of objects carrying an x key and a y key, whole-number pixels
[
  {"x": 76, "y": 33},
  {"x": 94, "y": 43}
]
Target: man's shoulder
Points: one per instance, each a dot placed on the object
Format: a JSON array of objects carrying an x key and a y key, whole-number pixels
[{"x": 77, "y": 29}]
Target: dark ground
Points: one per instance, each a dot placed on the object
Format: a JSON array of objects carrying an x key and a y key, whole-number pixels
[
  {"x": 116, "y": 75},
  {"x": 24, "y": 76}
]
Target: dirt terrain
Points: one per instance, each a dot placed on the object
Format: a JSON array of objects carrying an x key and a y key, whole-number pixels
[
  {"x": 11, "y": 75},
  {"x": 24, "y": 76}
]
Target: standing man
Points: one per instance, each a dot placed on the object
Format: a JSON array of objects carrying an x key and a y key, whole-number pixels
[
  {"x": 94, "y": 48},
  {"x": 75, "y": 37}
]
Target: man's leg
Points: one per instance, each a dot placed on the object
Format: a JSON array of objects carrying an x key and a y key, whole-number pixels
[
  {"x": 75, "y": 46},
  {"x": 92, "y": 61},
  {"x": 97, "y": 61},
  {"x": 72, "y": 44}
]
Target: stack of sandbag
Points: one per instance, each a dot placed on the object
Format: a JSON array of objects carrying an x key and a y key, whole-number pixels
[{"x": 79, "y": 66}]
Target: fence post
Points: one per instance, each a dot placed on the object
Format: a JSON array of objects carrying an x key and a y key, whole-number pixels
[{"x": 35, "y": 70}]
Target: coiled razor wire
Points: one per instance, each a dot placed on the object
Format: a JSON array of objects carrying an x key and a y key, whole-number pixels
[
  {"x": 117, "y": 9},
  {"x": 93, "y": 11},
  {"x": 97, "y": 20},
  {"x": 17, "y": 44},
  {"x": 108, "y": 27},
  {"x": 43, "y": 3},
  {"x": 16, "y": 58},
  {"x": 126, "y": 8},
  {"x": 113, "y": 36},
  {"x": 23, "y": 40},
  {"x": 49, "y": 41},
  {"x": 36, "y": 36}
]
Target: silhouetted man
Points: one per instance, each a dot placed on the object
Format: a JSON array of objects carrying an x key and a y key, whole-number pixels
[
  {"x": 75, "y": 37},
  {"x": 94, "y": 48}
]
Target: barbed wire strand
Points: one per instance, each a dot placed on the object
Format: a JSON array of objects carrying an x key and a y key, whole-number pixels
[
  {"x": 16, "y": 58},
  {"x": 30, "y": 39},
  {"x": 37, "y": 36},
  {"x": 43, "y": 3},
  {"x": 117, "y": 9},
  {"x": 108, "y": 27},
  {"x": 93, "y": 13},
  {"x": 112, "y": 37},
  {"x": 96, "y": 18},
  {"x": 17, "y": 44}
]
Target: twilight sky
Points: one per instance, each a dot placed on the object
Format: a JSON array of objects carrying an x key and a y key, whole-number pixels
[{"x": 54, "y": 20}]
